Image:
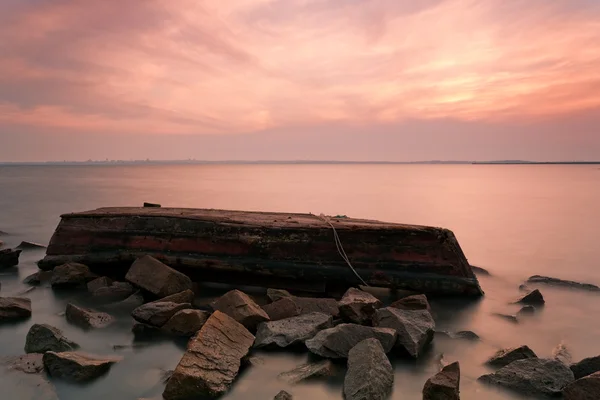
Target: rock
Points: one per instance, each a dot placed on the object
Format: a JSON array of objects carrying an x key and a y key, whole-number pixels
[
  {"x": 307, "y": 371},
  {"x": 239, "y": 306},
  {"x": 43, "y": 337},
  {"x": 415, "y": 328},
  {"x": 508, "y": 317},
  {"x": 30, "y": 246},
  {"x": 466, "y": 335},
  {"x": 532, "y": 298},
  {"x": 370, "y": 374},
  {"x": 28, "y": 363},
  {"x": 480, "y": 271},
  {"x": 212, "y": 360},
  {"x": 562, "y": 283},
  {"x": 562, "y": 354},
  {"x": 70, "y": 275},
  {"x": 506, "y": 356},
  {"x": 586, "y": 367},
  {"x": 14, "y": 309},
  {"x": 254, "y": 361},
  {"x": 152, "y": 205},
  {"x": 290, "y": 331},
  {"x": 336, "y": 342},
  {"x": 77, "y": 367},
  {"x": 38, "y": 278},
  {"x": 157, "y": 314},
  {"x": 187, "y": 296},
  {"x": 415, "y": 302},
  {"x": 313, "y": 304},
  {"x": 281, "y": 309},
  {"x": 115, "y": 292},
  {"x": 283, "y": 395},
  {"x": 533, "y": 377},
  {"x": 587, "y": 388},
  {"x": 444, "y": 385},
  {"x": 9, "y": 258},
  {"x": 358, "y": 306},
  {"x": 98, "y": 283},
  {"x": 143, "y": 331},
  {"x": 157, "y": 278},
  {"x": 23, "y": 377},
  {"x": 525, "y": 310},
  {"x": 277, "y": 294},
  {"x": 524, "y": 288},
  {"x": 186, "y": 322},
  {"x": 86, "y": 318},
  {"x": 128, "y": 305}
]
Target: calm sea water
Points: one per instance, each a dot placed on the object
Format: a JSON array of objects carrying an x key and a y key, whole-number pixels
[{"x": 515, "y": 221}]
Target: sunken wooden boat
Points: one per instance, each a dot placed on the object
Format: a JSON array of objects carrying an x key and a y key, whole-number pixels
[{"x": 295, "y": 251}]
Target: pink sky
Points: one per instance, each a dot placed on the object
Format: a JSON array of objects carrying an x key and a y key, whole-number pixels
[{"x": 301, "y": 79}]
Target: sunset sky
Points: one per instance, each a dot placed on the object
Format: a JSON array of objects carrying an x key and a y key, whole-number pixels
[{"x": 300, "y": 79}]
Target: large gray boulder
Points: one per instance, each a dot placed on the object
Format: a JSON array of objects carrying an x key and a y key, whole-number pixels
[
  {"x": 307, "y": 371},
  {"x": 23, "y": 377},
  {"x": 444, "y": 385},
  {"x": 370, "y": 374},
  {"x": 290, "y": 331},
  {"x": 532, "y": 377},
  {"x": 14, "y": 309},
  {"x": 43, "y": 337},
  {"x": 336, "y": 342},
  {"x": 239, "y": 306},
  {"x": 157, "y": 314},
  {"x": 157, "y": 278},
  {"x": 587, "y": 388},
  {"x": 414, "y": 302},
  {"x": 87, "y": 318},
  {"x": 70, "y": 275},
  {"x": 186, "y": 322},
  {"x": 506, "y": 356},
  {"x": 586, "y": 367},
  {"x": 212, "y": 360},
  {"x": 77, "y": 367},
  {"x": 358, "y": 306},
  {"x": 283, "y": 308},
  {"x": 415, "y": 328}
]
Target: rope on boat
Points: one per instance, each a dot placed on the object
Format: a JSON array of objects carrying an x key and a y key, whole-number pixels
[{"x": 340, "y": 248}]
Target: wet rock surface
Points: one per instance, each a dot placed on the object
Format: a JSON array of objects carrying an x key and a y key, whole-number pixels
[
  {"x": 533, "y": 298},
  {"x": 9, "y": 258},
  {"x": 281, "y": 309},
  {"x": 303, "y": 372},
  {"x": 587, "y": 388},
  {"x": 370, "y": 374},
  {"x": 290, "y": 331},
  {"x": 358, "y": 306},
  {"x": 415, "y": 302},
  {"x": 532, "y": 377},
  {"x": 76, "y": 366},
  {"x": 415, "y": 328},
  {"x": 87, "y": 318},
  {"x": 239, "y": 306},
  {"x": 336, "y": 342},
  {"x": 212, "y": 360},
  {"x": 186, "y": 322},
  {"x": 586, "y": 367},
  {"x": 157, "y": 314},
  {"x": 157, "y": 278},
  {"x": 43, "y": 337},
  {"x": 546, "y": 280},
  {"x": 444, "y": 385},
  {"x": 506, "y": 356},
  {"x": 70, "y": 275}
]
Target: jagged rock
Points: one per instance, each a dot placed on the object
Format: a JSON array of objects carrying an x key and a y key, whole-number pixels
[
  {"x": 525, "y": 310},
  {"x": 287, "y": 332},
  {"x": 466, "y": 335},
  {"x": 281, "y": 309},
  {"x": 43, "y": 337},
  {"x": 98, "y": 283},
  {"x": 30, "y": 246},
  {"x": 415, "y": 328},
  {"x": 506, "y": 356},
  {"x": 277, "y": 294},
  {"x": 532, "y": 377},
  {"x": 563, "y": 283},
  {"x": 86, "y": 318},
  {"x": 307, "y": 371},
  {"x": 283, "y": 395},
  {"x": 532, "y": 298},
  {"x": 70, "y": 275},
  {"x": 370, "y": 374},
  {"x": 187, "y": 296},
  {"x": 9, "y": 258},
  {"x": 444, "y": 385},
  {"x": 76, "y": 366},
  {"x": 38, "y": 278},
  {"x": 480, "y": 271},
  {"x": 358, "y": 306},
  {"x": 212, "y": 360},
  {"x": 587, "y": 388},
  {"x": 115, "y": 292},
  {"x": 157, "y": 278},
  {"x": 313, "y": 304},
  {"x": 186, "y": 322},
  {"x": 157, "y": 314},
  {"x": 562, "y": 354},
  {"x": 14, "y": 308},
  {"x": 239, "y": 306},
  {"x": 336, "y": 342},
  {"x": 24, "y": 378},
  {"x": 415, "y": 302},
  {"x": 586, "y": 367}
]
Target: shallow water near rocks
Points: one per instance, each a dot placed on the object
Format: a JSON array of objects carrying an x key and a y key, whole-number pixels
[{"x": 515, "y": 221}]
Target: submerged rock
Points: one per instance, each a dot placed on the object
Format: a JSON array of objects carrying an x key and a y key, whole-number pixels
[
  {"x": 444, "y": 385},
  {"x": 480, "y": 271},
  {"x": 9, "y": 258},
  {"x": 562, "y": 354},
  {"x": 358, "y": 306},
  {"x": 287, "y": 332},
  {"x": 77, "y": 367},
  {"x": 128, "y": 305},
  {"x": 281, "y": 309},
  {"x": 30, "y": 246},
  {"x": 508, "y": 317},
  {"x": 239, "y": 306},
  {"x": 70, "y": 275},
  {"x": 277, "y": 294},
  {"x": 14, "y": 309},
  {"x": 43, "y": 337},
  {"x": 212, "y": 360},
  {"x": 87, "y": 318},
  {"x": 336, "y": 342},
  {"x": 415, "y": 302},
  {"x": 532, "y": 298},
  {"x": 370, "y": 374},
  {"x": 466, "y": 335},
  {"x": 186, "y": 322},
  {"x": 415, "y": 328},
  {"x": 307, "y": 371},
  {"x": 23, "y": 377},
  {"x": 506, "y": 356},
  {"x": 115, "y": 292},
  {"x": 98, "y": 283},
  {"x": 525, "y": 310},
  {"x": 283, "y": 395},
  {"x": 562, "y": 283},
  {"x": 38, "y": 278},
  {"x": 157, "y": 314},
  {"x": 157, "y": 278},
  {"x": 532, "y": 377},
  {"x": 586, "y": 367},
  {"x": 587, "y": 388}
]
